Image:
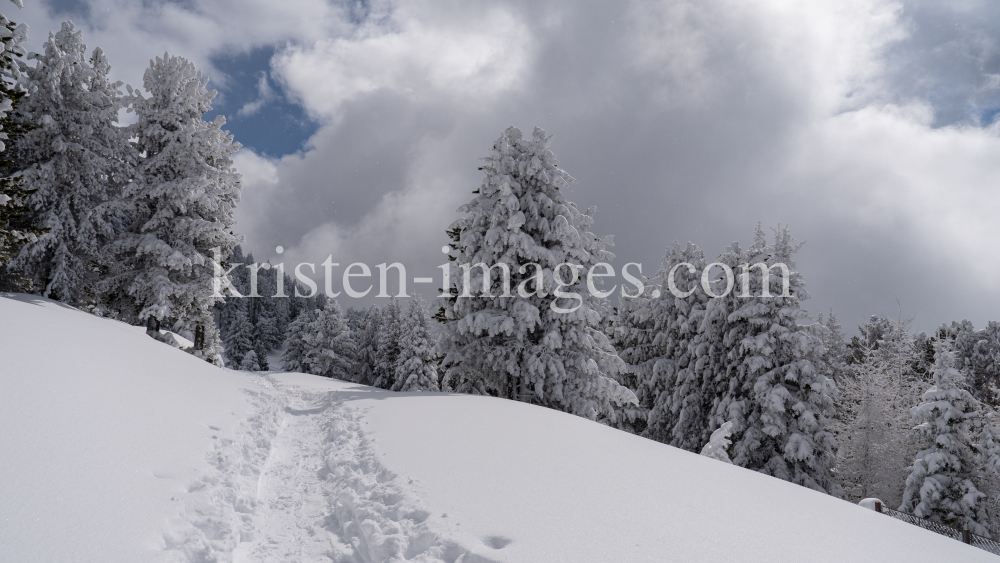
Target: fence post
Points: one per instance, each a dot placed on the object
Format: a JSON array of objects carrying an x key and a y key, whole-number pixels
[
  {"x": 878, "y": 506},
  {"x": 966, "y": 535}
]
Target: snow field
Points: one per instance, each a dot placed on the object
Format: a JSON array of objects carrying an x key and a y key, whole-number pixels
[{"x": 115, "y": 447}]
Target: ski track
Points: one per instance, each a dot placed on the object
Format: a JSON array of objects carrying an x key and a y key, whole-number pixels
[{"x": 300, "y": 482}]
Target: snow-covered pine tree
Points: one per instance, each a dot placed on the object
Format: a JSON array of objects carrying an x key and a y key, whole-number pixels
[
  {"x": 718, "y": 444},
  {"x": 988, "y": 466},
  {"x": 331, "y": 347},
  {"x": 941, "y": 485},
  {"x": 266, "y": 319},
  {"x": 416, "y": 367},
  {"x": 680, "y": 412},
  {"x": 239, "y": 335},
  {"x": 388, "y": 348},
  {"x": 521, "y": 346},
  {"x": 715, "y": 341},
  {"x": 779, "y": 403},
  {"x": 368, "y": 346},
  {"x": 631, "y": 332},
  {"x": 250, "y": 362},
  {"x": 75, "y": 161},
  {"x": 260, "y": 350},
  {"x": 15, "y": 225},
  {"x": 181, "y": 203},
  {"x": 240, "y": 280},
  {"x": 976, "y": 353},
  {"x": 296, "y": 352},
  {"x": 355, "y": 319},
  {"x": 831, "y": 335}
]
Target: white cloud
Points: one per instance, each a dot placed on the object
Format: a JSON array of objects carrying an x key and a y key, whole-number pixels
[
  {"x": 884, "y": 169},
  {"x": 687, "y": 120},
  {"x": 475, "y": 58},
  {"x": 132, "y": 33}
]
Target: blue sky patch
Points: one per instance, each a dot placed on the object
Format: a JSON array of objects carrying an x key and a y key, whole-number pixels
[{"x": 258, "y": 113}]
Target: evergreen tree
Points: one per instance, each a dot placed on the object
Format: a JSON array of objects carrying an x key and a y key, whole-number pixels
[
  {"x": 267, "y": 324},
  {"x": 15, "y": 226},
  {"x": 355, "y": 319},
  {"x": 988, "y": 449},
  {"x": 368, "y": 346},
  {"x": 239, "y": 337},
  {"x": 387, "y": 351},
  {"x": 778, "y": 402},
  {"x": 181, "y": 203},
  {"x": 295, "y": 355},
  {"x": 75, "y": 162},
  {"x": 631, "y": 332},
  {"x": 249, "y": 362},
  {"x": 941, "y": 484},
  {"x": 680, "y": 413},
  {"x": 719, "y": 443},
  {"x": 331, "y": 347},
  {"x": 240, "y": 280},
  {"x": 260, "y": 351},
  {"x": 533, "y": 346},
  {"x": 835, "y": 355},
  {"x": 416, "y": 368}
]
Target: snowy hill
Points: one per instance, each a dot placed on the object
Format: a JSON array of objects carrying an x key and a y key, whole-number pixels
[{"x": 116, "y": 447}]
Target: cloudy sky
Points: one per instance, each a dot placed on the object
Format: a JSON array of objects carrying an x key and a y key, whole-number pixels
[{"x": 866, "y": 125}]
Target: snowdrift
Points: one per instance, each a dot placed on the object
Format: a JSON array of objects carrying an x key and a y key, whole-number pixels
[{"x": 116, "y": 447}]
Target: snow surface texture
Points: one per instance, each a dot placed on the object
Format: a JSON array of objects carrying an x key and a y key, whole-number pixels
[{"x": 116, "y": 447}]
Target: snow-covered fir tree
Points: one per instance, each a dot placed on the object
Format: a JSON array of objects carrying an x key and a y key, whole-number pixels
[
  {"x": 416, "y": 366},
  {"x": 250, "y": 362},
  {"x": 239, "y": 335},
  {"x": 16, "y": 227},
  {"x": 75, "y": 161},
  {"x": 680, "y": 411},
  {"x": 239, "y": 277},
  {"x": 941, "y": 484},
  {"x": 631, "y": 330},
  {"x": 388, "y": 345},
  {"x": 368, "y": 345},
  {"x": 296, "y": 352},
  {"x": 779, "y": 403},
  {"x": 355, "y": 319},
  {"x": 719, "y": 443},
  {"x": 331, "y": 348},
  {"x": 835, "y": 354},
  {"x": 988, "y": 450},
  {"x": 977, "y": 353},
  {"x": 532, "y": 346},
  {"x": 180, "y": 204}
]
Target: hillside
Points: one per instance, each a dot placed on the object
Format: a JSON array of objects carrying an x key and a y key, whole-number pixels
[{"x": 116, "y": 447}]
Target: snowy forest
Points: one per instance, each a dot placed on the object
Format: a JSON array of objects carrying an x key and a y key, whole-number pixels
[{"x": 121, "y": 221}]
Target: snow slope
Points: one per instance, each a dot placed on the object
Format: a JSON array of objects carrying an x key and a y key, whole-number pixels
[{"x": 115, "y": 447}]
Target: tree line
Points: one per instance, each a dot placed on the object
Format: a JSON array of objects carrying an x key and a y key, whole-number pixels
[{"x": 118, "y": 220}]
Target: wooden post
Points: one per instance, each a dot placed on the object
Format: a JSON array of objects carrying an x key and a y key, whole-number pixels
[
  {"x": 966, "y": 536},
  {"x": 878, "y": 506}
]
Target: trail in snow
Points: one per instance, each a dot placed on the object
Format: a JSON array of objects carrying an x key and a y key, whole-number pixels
[{"x": 300, "y": 482}]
